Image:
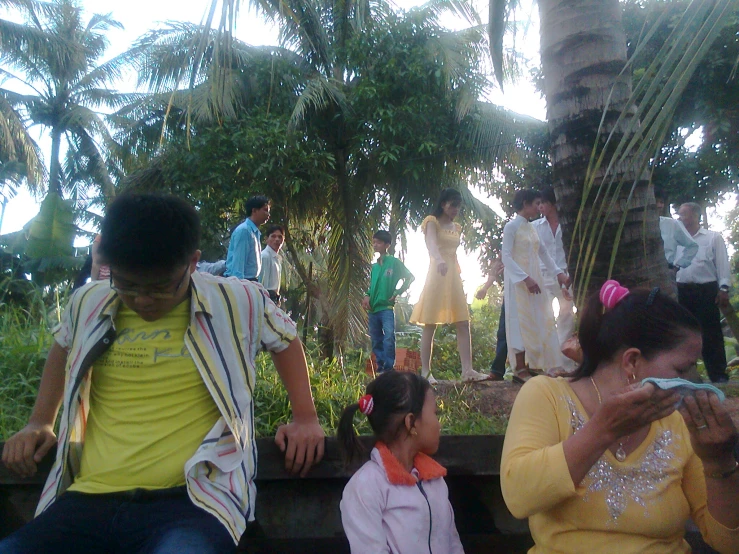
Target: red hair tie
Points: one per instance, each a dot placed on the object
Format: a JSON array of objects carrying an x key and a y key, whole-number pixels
[
  {"x": 366, "y": 404},
  {"x": 611, "y": 293}
]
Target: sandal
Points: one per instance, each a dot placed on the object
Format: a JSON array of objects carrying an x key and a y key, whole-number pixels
[
  {"x": 521, "y": 376},
  {"x": 535, "y": 372}
]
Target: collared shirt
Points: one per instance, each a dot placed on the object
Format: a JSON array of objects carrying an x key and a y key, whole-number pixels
[
  {"x": 673, "y": 234},
  {"x": 710, "y": 264},
  {"x": 271, "y": 269},
  {"x": 243, "y": 259},
  {"x": 553, "y": 244},
  {"x": 230, "y": 322}
]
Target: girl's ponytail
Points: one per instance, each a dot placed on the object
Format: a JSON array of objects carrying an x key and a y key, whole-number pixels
[{"x": 352, "y": 450}]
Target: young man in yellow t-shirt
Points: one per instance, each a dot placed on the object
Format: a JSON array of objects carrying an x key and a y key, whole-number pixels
[{"x": 155, "y": 370}]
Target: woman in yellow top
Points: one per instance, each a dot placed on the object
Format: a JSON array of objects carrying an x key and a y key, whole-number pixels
[
  {"x": 443, "y": 299},
  {"x": 599, "y": 463}
]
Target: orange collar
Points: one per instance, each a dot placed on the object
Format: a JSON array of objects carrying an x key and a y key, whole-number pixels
[{"x": 426, "y": 467}]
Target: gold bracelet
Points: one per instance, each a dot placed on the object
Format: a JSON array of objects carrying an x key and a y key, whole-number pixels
[{"x": 724, "y": 474}]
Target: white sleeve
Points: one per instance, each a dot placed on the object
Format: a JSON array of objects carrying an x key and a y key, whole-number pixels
[
  {"x": 361, "y": 515},
  {"x": 513, "y": 270},
  {"x": 722, "y": 261}
]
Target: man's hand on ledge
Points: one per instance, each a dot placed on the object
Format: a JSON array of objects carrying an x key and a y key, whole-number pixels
[
  {"x": 302, "y": 443},
  {"x": 27, "y": 448}
]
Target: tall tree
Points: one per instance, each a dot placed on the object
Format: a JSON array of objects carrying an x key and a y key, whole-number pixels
[{"x": 53, "y": 60}]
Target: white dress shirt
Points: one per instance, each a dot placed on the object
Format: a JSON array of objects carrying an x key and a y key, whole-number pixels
[
  {"x": 675, "y": 234},
  {"x": 710, "y": 264},
  {"x": 271, "y": 269},
  {"x": 552, "y": 242}
]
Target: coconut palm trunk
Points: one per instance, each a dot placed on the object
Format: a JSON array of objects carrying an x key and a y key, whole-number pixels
[{"x": 583, "y": 50}]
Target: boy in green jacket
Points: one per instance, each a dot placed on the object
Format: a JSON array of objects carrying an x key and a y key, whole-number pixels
[{"x": 387, "y": 272}]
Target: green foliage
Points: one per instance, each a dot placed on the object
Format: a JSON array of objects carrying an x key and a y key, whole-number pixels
[
  {"x": 52, "y": 231},
  {"x": 44, "y": 247},
  {"x": 364, "y": 120},
  {"x": 334, "y": 389},
  {"x": 708, "y": 105},
  {"x": 55, "y": 54},
  {"x": 25, "y": 338}
]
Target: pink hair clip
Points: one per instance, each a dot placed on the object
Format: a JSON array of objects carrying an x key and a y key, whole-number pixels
[
  {"x": 611, "y": 293},
  {"x": 366, "y": 404}
]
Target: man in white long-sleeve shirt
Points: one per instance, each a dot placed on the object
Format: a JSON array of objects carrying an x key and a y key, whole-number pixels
[
  {"x": 550, "y": 238},
  {"x": 271, "y": 274},
  {"x": 703, "y": 287}
]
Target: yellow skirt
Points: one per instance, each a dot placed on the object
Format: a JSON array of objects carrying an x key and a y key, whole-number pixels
[{"x": 442, "y": 299}]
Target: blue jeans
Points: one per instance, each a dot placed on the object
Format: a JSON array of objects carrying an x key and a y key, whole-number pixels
[
  {"x": 382, "y": 333},
  {"x": 140, "y": 522}
]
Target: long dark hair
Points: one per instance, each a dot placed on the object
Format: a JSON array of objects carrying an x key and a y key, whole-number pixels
[
  {"x": 447, "y": 195},
  {"x": 394, "y": 394},
  {"x": 648, "y": 320}
]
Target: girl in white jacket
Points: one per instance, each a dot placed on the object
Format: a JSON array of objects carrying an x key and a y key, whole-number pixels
[{"x": 397, "y": 502}]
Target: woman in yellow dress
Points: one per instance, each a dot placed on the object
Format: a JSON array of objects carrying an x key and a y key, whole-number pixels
[
  {"x": 601, "y": 462},
  {"x": 443, "y": 299}
]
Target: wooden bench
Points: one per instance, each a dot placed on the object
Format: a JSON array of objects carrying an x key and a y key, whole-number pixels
[{"x": 301, "y": 516}]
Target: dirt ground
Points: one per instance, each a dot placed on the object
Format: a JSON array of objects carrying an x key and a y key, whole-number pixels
[{"x": 497, "y": 397}]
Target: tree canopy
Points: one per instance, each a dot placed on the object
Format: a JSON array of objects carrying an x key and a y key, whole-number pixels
[{"x": 345, "y": 140}]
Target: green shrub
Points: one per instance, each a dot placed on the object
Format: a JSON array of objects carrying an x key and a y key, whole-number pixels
[{"x": 25, "y": 338}]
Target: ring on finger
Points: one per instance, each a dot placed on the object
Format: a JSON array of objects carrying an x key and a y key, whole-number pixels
[{"x": 701, "y": 427}]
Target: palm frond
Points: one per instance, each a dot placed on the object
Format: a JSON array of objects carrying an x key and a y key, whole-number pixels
[
  {"x": 17, "y": 145},
  {"x": 499, "y": 12},
  {"x": 318, "y": 94},
  {"x": 434, "y": 10}
]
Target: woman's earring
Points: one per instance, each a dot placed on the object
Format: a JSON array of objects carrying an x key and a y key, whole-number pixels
[{"x": 414, "y": 432}]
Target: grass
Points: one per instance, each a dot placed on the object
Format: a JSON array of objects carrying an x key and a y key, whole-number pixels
[
  {"x": 333, "y": 389},
  {"x": 25, "y": 336}
]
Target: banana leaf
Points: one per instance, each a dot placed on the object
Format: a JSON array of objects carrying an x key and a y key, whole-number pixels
[{"x": 52, "y": 232}]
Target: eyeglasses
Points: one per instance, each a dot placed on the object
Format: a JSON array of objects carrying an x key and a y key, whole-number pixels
[{"x": 157, "y": 295}]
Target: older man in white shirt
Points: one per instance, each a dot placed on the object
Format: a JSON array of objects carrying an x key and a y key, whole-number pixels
[
  {"x": 271, "y": 274},
  {"x": 550, "y": 238},
  {"x": 703, "y": 287}
]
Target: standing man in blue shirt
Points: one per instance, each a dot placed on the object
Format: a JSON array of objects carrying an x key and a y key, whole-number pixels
[{"x": 244, "y": 251}]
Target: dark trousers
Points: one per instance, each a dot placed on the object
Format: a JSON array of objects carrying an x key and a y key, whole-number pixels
[
  {"x": 133, "y": 522},
  {"x": 700, "y": 300},
  {"x": 382, "y": 333},
  {"x": 501, "y": 348},
  {"x": 274, "y": 296}
]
